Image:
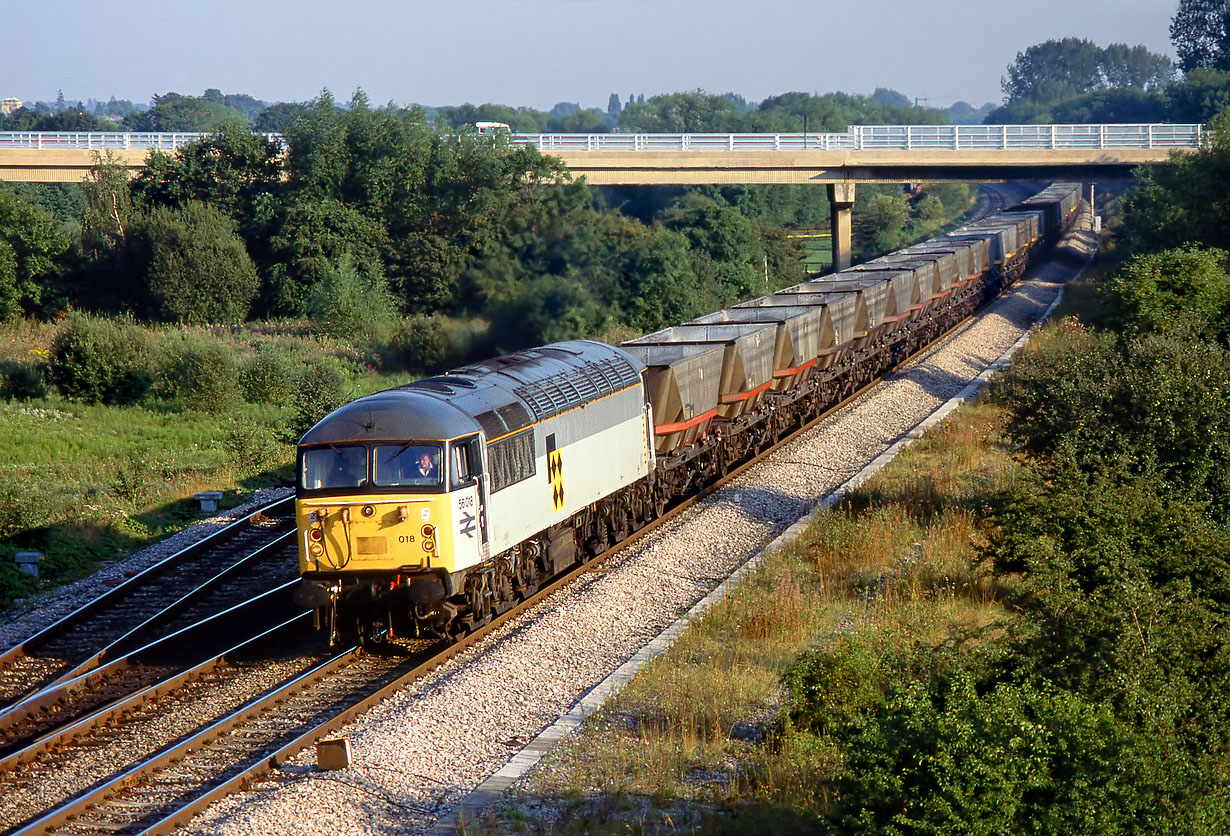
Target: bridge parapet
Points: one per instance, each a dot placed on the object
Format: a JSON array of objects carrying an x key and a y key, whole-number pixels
[
  {"x": 890, "y": 138},
  {"x": 855, "y": 138}
]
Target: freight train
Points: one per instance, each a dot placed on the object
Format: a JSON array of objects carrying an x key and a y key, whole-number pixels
[{"x": 429, "y": 508}]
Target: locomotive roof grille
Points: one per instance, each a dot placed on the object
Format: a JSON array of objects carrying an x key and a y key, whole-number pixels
[{"x": 578, "y": 386}]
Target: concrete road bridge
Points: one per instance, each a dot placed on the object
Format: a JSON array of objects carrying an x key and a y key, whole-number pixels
[{"x": 862, "y": 154}]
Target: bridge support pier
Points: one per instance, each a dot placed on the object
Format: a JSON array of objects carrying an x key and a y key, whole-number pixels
[{"x": 841, "y": 202}]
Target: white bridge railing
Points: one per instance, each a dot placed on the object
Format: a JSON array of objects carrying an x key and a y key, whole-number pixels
[
  {"x": 856, "y": 138},
  {"x": 889, "y": 138}
]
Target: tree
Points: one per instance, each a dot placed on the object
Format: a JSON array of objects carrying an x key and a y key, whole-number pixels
[
  {"x": 173, "y": 112},
  {"x": 1198, "y": 31},
  {"x": 725, "y": 248},
  {"x": 580, "y": 122},
  {"x": 234, "y": 170},
  {"x": 1185, "y": 199},
  {"x": 108, "y": 205},
  {"x": 1054, "y": 70},
  {"x": 313, "y": 240},
  {"x": 1104, "y": 107},
  {"x": 277, "y": 118},
  {"x": 881, "y": 220},
  {"x": 69, "y": 119},
  {"x": 1075, "y": 80},
  {"x": 198, "y": 271},
  {"x": 695, "y": 112},
  {"x": 30, "y": 246},
  {"x": 1124, "y": 66},
  {"x": 1200, "y": 96},
  {"x": 613, "y": 105}
]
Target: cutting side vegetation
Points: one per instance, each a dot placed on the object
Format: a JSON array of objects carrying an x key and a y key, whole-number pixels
[{"x": 1019, "y": 626}]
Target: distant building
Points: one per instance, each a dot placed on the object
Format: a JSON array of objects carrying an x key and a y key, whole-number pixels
[{"x": 9, "y": 105}]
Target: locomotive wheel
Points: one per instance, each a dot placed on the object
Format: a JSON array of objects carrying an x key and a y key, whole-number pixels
[
  {"x": 479, "y": 601},
  {"x": 601, "y": 541},
  {"x": 622, "y": 528},
  {"x": 505, "y": 587},
  {"x": 526, "y": 580}
]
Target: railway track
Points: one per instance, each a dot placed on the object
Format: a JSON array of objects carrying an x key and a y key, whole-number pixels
[
  {"x": 165, "y": 597},
  {"x": 46, "y": 771},
  {"x": 66, "y": 704}
]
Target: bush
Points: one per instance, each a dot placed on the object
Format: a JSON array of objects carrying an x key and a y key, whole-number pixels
[
  {"x": 205, "y": 377},
  {"x": 1184, "y": 291},
  {"x": 14, "y": 583},
  {"x": 21, "y": 382},
  {"x": 319, "y": 390},
  {"x": 1152, "y": 402},
  {"x": 948, "y": 759},
  {"x": 830, "y": 686},
  {"x": 250, "y": 447},
  {"x": 198, "y": 269},
  {"x": 350, "y": 304},
  {"x": 266, "y": 378},
  {"x": 26, "y": 502},
  {"x": 421, "y": 343},
  {"x": 101, "y": 360}
]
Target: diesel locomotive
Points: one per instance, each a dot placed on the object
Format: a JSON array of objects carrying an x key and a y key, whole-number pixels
[{"x": 429, "y": 508}]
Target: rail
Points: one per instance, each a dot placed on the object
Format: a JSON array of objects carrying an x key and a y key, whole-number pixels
[{"x": 855, "y": 138}]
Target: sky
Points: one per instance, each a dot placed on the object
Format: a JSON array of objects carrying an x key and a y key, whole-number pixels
[{"x": 540, "y": 52}]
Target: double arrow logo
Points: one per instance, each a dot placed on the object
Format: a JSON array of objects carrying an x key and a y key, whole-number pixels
[{"x": 467, "y": 524}]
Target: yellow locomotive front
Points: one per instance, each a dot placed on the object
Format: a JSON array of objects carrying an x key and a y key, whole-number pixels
[{"x": 387, "y": 525}]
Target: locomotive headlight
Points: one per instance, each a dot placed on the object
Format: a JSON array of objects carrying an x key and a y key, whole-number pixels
[
  {"x": 429, "y": 531},
  {"x": 316, "y": 550},
  {"x": 368, "y": 510},
  {"x": 316, "y": 534},
  {"x": 429, "y": 545}
]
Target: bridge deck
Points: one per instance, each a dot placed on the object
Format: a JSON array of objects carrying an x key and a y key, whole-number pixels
[{"x": 864, "y": 154}]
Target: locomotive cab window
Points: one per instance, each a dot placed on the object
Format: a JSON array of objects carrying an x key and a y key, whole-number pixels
[
  {"x": 335, "y": 466},
  {"x": 409, "y": 465},
  {"x": 467, "y": 463}
]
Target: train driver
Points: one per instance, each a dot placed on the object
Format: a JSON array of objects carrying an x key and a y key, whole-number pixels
[
  {"x": 408, "y": 464},
  {"x": 426, "y": 470}
]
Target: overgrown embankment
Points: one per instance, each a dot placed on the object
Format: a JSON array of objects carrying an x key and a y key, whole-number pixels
[{"x": 1017, "y": 627}]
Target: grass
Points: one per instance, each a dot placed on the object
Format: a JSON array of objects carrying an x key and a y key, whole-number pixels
[
  {"x": 696, "y": 743},
  {"x": 90, "y": 483}
]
